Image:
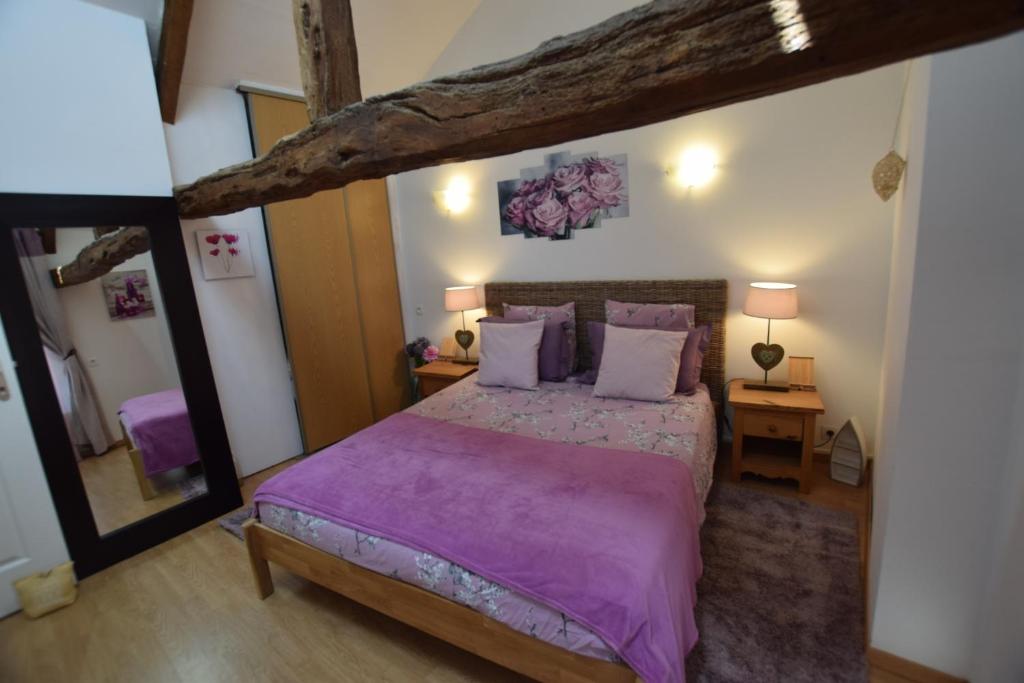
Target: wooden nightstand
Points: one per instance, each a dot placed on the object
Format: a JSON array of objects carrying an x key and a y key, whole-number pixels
[
  {"x": 441, "y": 373},
  {"x": 773, "y": 433}
]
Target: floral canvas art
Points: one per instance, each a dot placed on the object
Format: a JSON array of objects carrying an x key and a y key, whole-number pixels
[
  {"x": 224, "y": 254},
  {"x": 127, "y": 295},
  {"x": 568, "y": 193}
]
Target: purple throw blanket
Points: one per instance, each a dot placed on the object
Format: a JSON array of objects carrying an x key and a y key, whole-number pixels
[
  {"x": 159, "y": 426},
  {"x": 609, "y": 537}
]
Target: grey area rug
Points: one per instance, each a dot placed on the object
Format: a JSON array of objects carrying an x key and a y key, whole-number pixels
[
  {"x": 232, "y": 522},
  {"x": 780, "y": 599}
]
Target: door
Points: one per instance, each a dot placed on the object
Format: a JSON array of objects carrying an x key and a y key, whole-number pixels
[
  {"x": 30, "y": 535},
  {"x": 337, "y": 287}
]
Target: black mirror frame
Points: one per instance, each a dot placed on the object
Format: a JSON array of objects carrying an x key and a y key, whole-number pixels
[{"x": 90, "y": 551}]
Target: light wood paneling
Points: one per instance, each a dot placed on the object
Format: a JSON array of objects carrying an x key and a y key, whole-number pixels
[
  {"x": 376, "y": 275},
  {"x": 314, "y": 271},
  {"x": 886, "y": 667}
]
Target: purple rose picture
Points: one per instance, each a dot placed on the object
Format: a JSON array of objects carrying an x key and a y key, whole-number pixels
[
  {"x": 567, "y": 193},
  {"x": 127, "y": 295}
]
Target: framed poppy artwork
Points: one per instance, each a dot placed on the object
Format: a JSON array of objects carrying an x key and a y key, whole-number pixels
[{"x": 224, "y": 253}]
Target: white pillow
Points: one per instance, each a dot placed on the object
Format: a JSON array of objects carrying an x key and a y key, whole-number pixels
[
  {"x": 639, "y": 364},
  {"x": 508, "y": 354}
]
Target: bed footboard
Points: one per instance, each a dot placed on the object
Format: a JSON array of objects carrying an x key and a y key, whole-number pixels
[{"x": 423, "y": 610}]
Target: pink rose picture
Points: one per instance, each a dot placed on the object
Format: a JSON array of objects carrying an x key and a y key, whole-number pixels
[{"x": 566, "y": 194}]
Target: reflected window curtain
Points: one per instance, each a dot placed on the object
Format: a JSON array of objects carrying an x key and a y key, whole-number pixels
[{"x": 85, "y": 424}]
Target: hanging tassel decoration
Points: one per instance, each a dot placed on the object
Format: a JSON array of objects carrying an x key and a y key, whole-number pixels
[{"x": 889, "y": 170}]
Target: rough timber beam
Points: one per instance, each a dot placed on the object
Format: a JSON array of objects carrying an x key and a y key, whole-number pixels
[
  {"x": 656, "y": 62},
  {"x": 328, "y": 58},
  {"x": 102, "y": 256},
  {"x": 170, "y": 61}
]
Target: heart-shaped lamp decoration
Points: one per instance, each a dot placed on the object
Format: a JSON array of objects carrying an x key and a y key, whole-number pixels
[
  {"x": 767, "y": 356},
  {"x": 464, "y": 338}
]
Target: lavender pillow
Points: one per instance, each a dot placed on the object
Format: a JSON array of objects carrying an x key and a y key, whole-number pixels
[
  {"x": 691, "y": 361},
  {"x": 508, "y": 354},
  {"x": 564, "y": 313},
  {"x": 640, "y": 364},
  {"x": 653, "y": 316},
  {"x": 553, "y": 357}
]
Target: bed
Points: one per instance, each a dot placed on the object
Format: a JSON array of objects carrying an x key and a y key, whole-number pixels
[
  {"x": 428, "y": 517},
  {"x": 158, "y": 435}
]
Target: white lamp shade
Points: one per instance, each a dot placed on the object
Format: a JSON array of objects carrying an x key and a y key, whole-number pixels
[
  {"x": 770, "y": 300},
  {"x": 461, "y": 298}
]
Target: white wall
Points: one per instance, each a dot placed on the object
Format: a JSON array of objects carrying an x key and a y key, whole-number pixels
[
  {"x": 949, "y": 486},
  {"x": 80, "y": 115},
  {"x": 124, "y": 358},
  {"x": 793, "y": 201},
  {"x": 80, "y": 112},
  {"x": 240, "y": 318}
]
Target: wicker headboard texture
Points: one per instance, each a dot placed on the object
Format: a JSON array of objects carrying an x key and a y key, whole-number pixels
[{"x": 709, "y": 296}]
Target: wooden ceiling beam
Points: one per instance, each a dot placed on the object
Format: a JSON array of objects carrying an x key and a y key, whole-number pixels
[
  {"x": 170, "y": 61},
  {"x": 328, "y": 59},
  {"x": 656, "y": 62},
  {"x": 101, "y": 256}
]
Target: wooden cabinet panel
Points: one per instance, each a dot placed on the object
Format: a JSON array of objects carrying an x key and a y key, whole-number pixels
[
  {"x": 376, "y": 276},
  {"x": 314, "y": 273}
]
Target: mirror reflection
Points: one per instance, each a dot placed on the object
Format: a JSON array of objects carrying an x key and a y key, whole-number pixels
[{"x": 108, "y": 346}]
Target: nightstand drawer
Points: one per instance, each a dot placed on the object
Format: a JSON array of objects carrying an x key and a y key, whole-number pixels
[{"x": 773, "y": 425}]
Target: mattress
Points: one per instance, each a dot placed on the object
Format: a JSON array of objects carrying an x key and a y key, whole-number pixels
[
  {"x": 682, "y": 428},
  {"x": 159, "y": 426}
]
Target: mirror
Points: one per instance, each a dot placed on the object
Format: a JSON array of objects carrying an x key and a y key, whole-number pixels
[{"x": 110, "y": 354}]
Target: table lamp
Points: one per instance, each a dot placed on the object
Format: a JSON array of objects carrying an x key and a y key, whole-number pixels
[
  {"x": 463, "y": 298},
  {"x": 769, "y": 300}
]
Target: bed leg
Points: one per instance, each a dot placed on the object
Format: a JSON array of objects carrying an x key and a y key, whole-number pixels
[
  {"x": 145, "y": 485},
  {"x": 260, "y": 567}
]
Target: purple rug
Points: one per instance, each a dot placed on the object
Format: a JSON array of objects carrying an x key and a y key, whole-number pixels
[
  {"x": 232, "y": 523},
  {"x": 780, "y": 599}
]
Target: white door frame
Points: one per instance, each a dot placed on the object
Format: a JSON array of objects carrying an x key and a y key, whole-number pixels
[{"x": 30, "y": 535}]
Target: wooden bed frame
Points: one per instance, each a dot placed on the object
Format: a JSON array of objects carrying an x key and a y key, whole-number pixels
[
  {"x": 145, "y": 485},
  {"x": 450, "y": 621},
  {"x": 425, "y": 611}
]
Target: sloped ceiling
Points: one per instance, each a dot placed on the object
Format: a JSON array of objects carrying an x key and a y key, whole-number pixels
[{"x": 254, "y": 40}]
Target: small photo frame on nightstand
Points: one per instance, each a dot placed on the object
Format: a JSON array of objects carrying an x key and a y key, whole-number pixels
[{"x": 801, "y": 373}]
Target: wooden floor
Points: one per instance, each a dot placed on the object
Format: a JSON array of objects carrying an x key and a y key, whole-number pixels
[
  {"x": 113, "y": 490},
  {"x": 187, "y": 611}
]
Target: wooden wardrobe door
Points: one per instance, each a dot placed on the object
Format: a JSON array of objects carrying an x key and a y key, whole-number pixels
[
  {"x": 316, "y": 288},
  {"x": 373, "y": 248}
]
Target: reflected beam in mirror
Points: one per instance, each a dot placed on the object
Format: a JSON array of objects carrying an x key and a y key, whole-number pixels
[{"x": 102, "y": 256}]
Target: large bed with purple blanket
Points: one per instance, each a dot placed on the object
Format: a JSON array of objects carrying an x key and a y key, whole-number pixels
[
  {"x": 551, "y": 531},
  {"x": 158, "y": 435}
]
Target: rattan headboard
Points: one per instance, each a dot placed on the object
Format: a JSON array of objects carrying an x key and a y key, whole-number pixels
[{"x": 709, "y": 296}]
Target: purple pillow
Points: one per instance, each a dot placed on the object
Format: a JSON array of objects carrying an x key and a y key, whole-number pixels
[
  {"x": 564, "y": 313},
  {"x": 691, "y": 361},
  {"x": 553, "y": 358},
  {"x": 653, "y": 316}
]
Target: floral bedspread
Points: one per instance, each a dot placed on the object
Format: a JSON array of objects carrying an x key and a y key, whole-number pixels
[{"x": 682, "y": 428}]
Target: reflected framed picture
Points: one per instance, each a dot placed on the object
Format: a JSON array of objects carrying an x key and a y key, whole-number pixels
[
  {"x": 224, "y": 254},
  {"x": 801, "y": 373},
  {"x": 127, "y": 295}
]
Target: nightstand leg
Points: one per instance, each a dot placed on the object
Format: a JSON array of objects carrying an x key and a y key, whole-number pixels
[
  {"x": 807, "y": 455},
  {"x": 737, "y": 444}
]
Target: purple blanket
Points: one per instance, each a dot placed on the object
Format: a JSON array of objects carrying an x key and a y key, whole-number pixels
[
  {"x": 158, "y": 424},
  {"x": 609, "y": 537}
]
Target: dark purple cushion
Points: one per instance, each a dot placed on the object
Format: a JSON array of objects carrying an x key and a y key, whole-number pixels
[
  {"x": 691, "y": 361},
  {"x": 553, "y": 359}
]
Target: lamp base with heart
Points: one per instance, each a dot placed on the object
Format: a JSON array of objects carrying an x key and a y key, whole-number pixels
[
  {"x": 464, "y": 338},
  {"x": 767, "y": 356}
]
